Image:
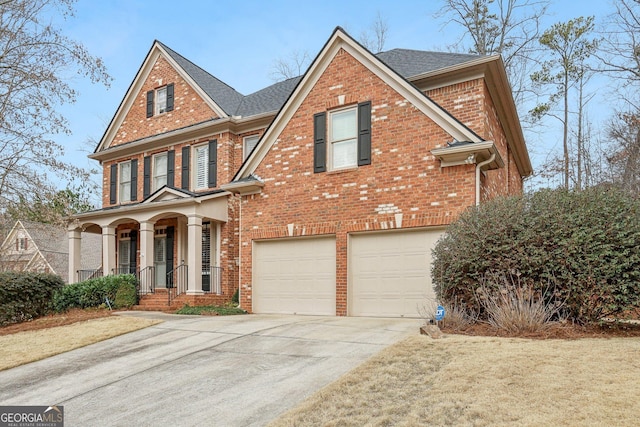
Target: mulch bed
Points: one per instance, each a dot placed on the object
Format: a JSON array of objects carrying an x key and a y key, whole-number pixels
[{"x": 58, "y": 319}]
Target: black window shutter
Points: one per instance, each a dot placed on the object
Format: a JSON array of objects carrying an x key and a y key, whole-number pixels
[
  {"x": 364, "y": 133},
  {"x": 146, "y": 183},
  {"x": 319, "y": 142},
  {"x": 186, "y": 153},
  {"x": 213, "y": 163},
  {"x": 113, "y": 184},
  {"x": 170, "y": 97},
  {"x": 133, "y": 249},
  {"x": 150, "y": 103},
  {"x": 134, "y": 180},
  {"x": 171, "y": 165}
]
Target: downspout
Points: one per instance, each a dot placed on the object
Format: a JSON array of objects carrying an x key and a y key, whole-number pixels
[{"x": 478, "y": 167}]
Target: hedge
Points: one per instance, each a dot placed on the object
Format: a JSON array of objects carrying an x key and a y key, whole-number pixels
[
  {"x": 581, "y": 249},
  {"x": 25, "y": 296},
  {"x": 120, "y": 290}
]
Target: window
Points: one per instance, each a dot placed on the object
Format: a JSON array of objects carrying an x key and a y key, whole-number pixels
[
  {"x": 160, "y": 100},
  {"x": 159, "y": 170},
  {"x": 343, "y": 139},
  {"x": 201, "y": 166},
  {"x": 21, "y": 244},
  {"x": 249, "y": 144},
  {"x": 125, "y": 182}
]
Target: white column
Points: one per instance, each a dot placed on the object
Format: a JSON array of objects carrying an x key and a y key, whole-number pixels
[
  {"x": 147, "y": 276},
  {"x": 108, "y": 250},
  {"x": 194, "y": 254},
  {"x": 75, "y": 239}
]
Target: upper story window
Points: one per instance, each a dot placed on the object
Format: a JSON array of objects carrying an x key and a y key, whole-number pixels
[
  {"x": 124, "y": 185},
  {"x": 343, "y": 139},
  {"x": 248, "y": 145},
  {"x": 205, "y": 165},
  {"x": 22, "y": 244},
  {"x": 160, "y": 170},
  {"x": 160, "y": 100}
]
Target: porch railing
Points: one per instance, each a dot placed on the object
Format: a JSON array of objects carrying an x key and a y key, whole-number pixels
[
  {"x": 147, "y": 281},
  {"x": 177, "y": 281},
  {"x": 211, "y": 280},
  {"x": 89, "y": 274},
  {"x": 124, "y": 270}
]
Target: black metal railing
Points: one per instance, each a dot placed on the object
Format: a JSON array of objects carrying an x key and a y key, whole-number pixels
[
  {"x": 211, "y": 280},
  {"x": 146, "y": 281},
  {"x": 89, "y": 274},
  {"x": 177, "y": 281}
]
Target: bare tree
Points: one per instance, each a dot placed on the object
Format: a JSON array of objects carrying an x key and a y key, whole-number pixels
[
  {"x": 620, "y": 48},
  {"x": 375, "y": 37},
  {"x": 510, "y": 28},
  {"x": 624, "y": 131},
  {"x": 569, "y": 46},
  {"x": 36, "y": 65},
  {"x": 292, "y": 66}
]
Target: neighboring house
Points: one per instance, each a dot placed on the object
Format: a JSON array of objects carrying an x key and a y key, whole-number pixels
[
  {"x": 322, "y": 194},
  {"x": 37, "y": 247}
]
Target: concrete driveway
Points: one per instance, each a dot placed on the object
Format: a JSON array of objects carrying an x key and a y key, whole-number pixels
[{"x": 194, "y": 370}]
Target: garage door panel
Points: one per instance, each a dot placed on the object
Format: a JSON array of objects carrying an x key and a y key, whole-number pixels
[
  {"x": 294, "y": 276},
  {"x": 390, "y": 273}
]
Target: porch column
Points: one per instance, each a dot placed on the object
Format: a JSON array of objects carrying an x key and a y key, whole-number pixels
[
  {"x": 108, "y": 250},
  {"x": 147, "y": 274},
  {"x": 194, "y": 254},
  {"x": 75, "y": 239}
]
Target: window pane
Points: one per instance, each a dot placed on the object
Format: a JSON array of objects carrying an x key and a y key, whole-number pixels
[
  {"x": 125, "y": 172},
  {"x": 202, "y": 166},
  {"x": 343, "y": 125},
  {"x": 250, "y": 143},
  {"x": 124, "y": 194},
  {"x": 159, "y": 171},
  {"x": 344, "y": 154},
  {"x": 161, "y": 100}
]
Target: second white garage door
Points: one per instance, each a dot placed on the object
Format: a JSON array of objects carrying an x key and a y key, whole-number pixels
[
  {"x": 295, "y": 276},
  {"x": 390, "y": 272}
]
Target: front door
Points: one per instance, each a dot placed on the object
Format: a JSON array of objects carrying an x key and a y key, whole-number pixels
[{"x": 163, "y": 257}]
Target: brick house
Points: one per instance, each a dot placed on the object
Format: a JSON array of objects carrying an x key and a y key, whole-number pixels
[{"x": 322, "y": 194}]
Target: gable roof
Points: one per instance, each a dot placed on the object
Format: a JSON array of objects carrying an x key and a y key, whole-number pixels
[
  {"x": 341, "y": 40},
  {"x": 221, "y": 93}
]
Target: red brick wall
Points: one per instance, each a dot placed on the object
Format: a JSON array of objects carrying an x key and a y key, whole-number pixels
[
  {"x": 404, "y": 178},
  {"x": 189, "y": 108}
]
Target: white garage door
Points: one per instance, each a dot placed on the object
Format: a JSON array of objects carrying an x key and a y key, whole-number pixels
[
  {"x": 390, "y": 273},
  {"x": 295, "y": 276}
]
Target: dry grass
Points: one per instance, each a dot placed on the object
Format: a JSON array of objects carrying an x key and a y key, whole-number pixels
[
  {"x": 484, "y": 381},
  {"x": 28, "y": 346}
]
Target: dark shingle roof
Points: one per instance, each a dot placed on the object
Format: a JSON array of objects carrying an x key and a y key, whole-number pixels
[
  {"x": 406, "y": 62},
  {"x": 409, "y": 63},
  {"x": 224, "y": 95},
  {"x": 270, "y": 98}
]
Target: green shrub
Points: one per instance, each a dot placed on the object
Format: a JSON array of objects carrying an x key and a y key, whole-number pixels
[
  {"x": 226, "y": 310},
  {"x": 126, "y": 296},
  {"x": 587, "y": 243},
  {"x": 92, "y": 292},
  {"x": 25, "y": 296}
]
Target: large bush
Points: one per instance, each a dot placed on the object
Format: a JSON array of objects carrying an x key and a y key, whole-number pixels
[
  {"x": 578, "y": 249},
  {"x": 25, "y": 296},
  {"x": 94, "y": 292}
]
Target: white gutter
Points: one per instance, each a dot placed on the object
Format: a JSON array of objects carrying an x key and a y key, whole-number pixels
[{"x": 478, "y": 166}]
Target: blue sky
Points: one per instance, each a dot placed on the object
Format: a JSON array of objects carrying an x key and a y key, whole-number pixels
[{"x": 237, "y": 42}]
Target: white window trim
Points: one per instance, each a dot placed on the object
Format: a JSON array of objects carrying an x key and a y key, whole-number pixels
[
  {"x": 154, "y": 169},
  {"x": 194, "y": 169},
  {"x": 330, "y": 140},
  {"x": 158, "y": 106},
  {"x": 245, "y": 152},
  {"x": 124, "y": 197}
]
